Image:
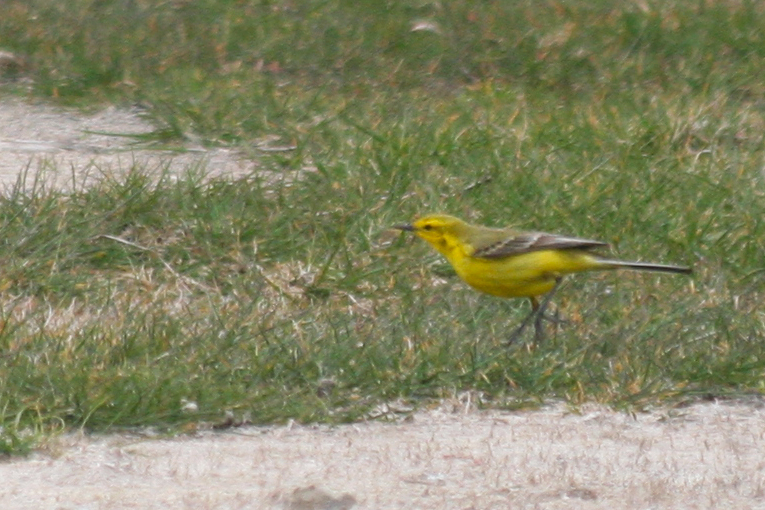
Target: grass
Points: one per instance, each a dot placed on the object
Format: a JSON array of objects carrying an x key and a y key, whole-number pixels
[{"x": 147, "y": 301}]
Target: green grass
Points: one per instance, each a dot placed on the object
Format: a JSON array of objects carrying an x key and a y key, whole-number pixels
[{"x": 288, "y": 298}]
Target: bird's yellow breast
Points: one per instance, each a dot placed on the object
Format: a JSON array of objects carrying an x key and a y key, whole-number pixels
[{"x": 523, "y": 275}]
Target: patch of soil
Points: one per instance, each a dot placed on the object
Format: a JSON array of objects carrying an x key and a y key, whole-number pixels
[
  {"x": 703, "y": 456},
  {"x": 40, "y": 139}
]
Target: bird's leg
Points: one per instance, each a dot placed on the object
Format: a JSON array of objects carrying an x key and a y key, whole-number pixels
[
  {"x": 526, "y": 321},
  {"x": 539, "y": 332},
  {"x": 537, "y": 315},
  {"x": 539, "y": 327}
]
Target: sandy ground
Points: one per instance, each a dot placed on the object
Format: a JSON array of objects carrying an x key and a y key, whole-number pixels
[
  {"x": 57, "y": 143},
  {"x": 704, "y": 456}
]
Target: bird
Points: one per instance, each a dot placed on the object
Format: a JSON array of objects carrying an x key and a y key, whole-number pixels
[{"x": 509, "y": 263}]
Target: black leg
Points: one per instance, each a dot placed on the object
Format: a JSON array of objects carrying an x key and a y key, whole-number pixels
[
  {"x": 539, "y": 328},
  {"x": 537, "y": 315},
  {"x": 526, "y": 321}
]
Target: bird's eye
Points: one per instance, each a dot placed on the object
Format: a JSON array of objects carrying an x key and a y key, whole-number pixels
[{"x": 427, "y": 227}]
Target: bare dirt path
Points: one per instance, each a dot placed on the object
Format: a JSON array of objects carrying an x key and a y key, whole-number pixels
[
  {"x": 704, "y": 456},
  {"x": 56, "y": 142}
]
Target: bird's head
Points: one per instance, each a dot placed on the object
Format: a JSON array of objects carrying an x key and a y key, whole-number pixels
[{"x": 436, "y": 228}]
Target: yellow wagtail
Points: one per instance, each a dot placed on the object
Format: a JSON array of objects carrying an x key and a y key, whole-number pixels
[{"x": 507, "y": 263}]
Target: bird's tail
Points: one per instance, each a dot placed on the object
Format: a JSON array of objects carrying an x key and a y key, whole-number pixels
[{"x": 643, "y": 266}]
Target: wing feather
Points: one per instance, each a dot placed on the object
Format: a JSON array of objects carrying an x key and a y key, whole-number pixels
[{"x": 534, "y": 241}]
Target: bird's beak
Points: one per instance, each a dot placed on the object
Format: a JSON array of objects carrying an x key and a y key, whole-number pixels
[{"x": 404, "y": 226}]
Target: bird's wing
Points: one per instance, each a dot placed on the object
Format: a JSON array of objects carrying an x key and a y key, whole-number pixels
[{"x": 526, "y": 242}]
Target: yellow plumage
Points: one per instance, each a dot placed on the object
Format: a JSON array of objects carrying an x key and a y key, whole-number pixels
[{"x": 508, "y": 263}]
